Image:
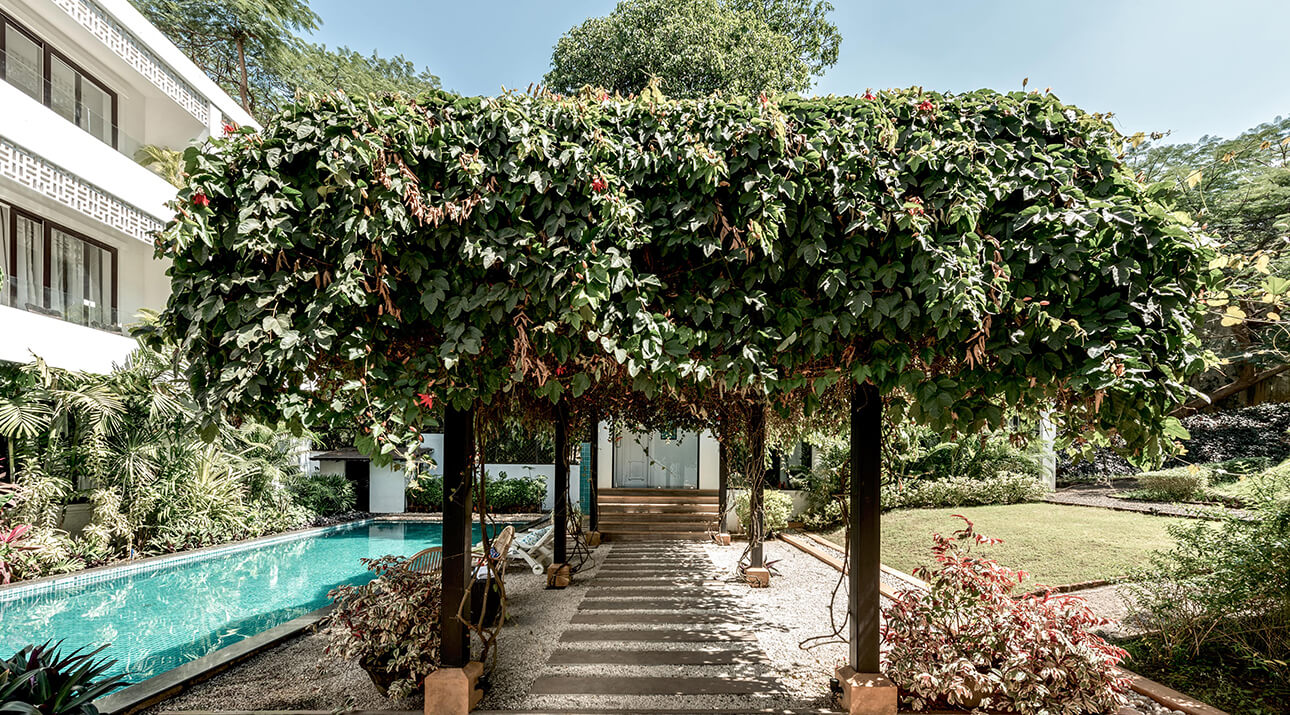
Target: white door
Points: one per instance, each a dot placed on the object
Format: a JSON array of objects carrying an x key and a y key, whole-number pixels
[{"x": 657, "y": 460}]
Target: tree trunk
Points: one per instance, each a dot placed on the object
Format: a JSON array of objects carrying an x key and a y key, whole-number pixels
[
  {"x": 241, "y": 64},
  {"x": 1226, "y": 391}
]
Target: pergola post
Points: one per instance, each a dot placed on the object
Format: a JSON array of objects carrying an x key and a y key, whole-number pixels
[
  {"x": 454, "y": 688},
  {"x": 864, "y": 689},
  {"x": 757, "y": 573},
  {"x": 458, "y": 456},
  {"x": 723, "y": 491},
  {"x": 559, "y": 574},
  {"x": 593, "y": 510}
]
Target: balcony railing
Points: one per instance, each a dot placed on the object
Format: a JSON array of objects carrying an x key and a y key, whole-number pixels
[
  {"x": 63, "y": 101},
  {"x": 71, "y": 307}
]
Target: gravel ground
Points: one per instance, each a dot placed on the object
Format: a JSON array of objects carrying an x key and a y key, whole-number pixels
[{"x": 795, "y": 608}]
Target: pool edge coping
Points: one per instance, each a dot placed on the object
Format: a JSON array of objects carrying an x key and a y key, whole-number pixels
[
  {"x": 54, "y": 580},
  {"x": 160, "y": 688}
]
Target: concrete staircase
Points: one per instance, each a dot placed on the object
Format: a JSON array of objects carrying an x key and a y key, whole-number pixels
[{"x": 656, "y": 514}]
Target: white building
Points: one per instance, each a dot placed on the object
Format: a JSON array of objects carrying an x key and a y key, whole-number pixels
[{"x": 83, "y": 85}]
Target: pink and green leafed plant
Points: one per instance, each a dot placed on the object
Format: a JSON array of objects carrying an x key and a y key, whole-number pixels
[
  {"x": 10, "y": 546},
  {"x": 968, "y": 641}
]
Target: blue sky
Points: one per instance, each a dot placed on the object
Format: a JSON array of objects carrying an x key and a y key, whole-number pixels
[{"x": 1191, "y": 66}]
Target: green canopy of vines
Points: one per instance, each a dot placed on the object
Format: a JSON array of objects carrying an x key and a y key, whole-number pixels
[{"x": 362, "y": 257}]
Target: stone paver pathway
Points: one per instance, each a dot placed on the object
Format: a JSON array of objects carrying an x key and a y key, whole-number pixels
[{"x": 657, "y": 631}]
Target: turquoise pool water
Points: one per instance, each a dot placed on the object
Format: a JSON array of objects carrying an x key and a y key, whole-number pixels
[{"x": 157, "y": 618}]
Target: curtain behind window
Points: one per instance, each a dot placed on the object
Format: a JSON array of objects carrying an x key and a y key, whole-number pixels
[
  {"x": 7, "y": 289},
  {"x": 30, "y": 280},
  {"x": 67, "y": 277}
]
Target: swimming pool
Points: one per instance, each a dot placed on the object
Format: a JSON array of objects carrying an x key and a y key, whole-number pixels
[{"x": 164, "y": 613}]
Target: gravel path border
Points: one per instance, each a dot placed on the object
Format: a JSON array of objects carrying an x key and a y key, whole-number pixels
[{"x": 1099, "y": 496}]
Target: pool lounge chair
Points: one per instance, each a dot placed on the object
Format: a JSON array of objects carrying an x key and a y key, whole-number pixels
[{"x": 534, "y": 548}]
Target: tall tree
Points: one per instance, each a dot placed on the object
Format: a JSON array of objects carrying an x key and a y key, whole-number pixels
[
  {"x": 1239, "y": 191},
  {"x": 254, "y": 51},
  {"x": 697, "y": 47}
]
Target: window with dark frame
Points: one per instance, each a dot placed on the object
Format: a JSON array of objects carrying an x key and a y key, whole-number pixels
[
  {"x": 53, "y": 270},
  {"x": 48, "y": 76}
]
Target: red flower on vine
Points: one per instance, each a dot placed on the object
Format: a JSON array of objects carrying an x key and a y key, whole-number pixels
[
  {"x": 599, "y": 184},
  {"x": 763, "y": 98},
  {"x": 229, "y": 128},
  {"x": 604, "y": 97},
  {"x": 200, "y": 199},
  {"x": 868, "y": 95},
  {"x": 561, "y": 371},
  {"x": 927, "y": 106},
  {"x": 426, "y": 401}
]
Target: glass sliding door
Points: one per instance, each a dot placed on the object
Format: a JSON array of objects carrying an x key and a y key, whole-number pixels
[
  {"x": 52, "y": 271},
  {"x": 51, "y": 78},
  {"x": 657, "y": 460}
]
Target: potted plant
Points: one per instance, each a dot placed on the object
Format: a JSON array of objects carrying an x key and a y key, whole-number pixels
[{"x": 389, "y": 626}]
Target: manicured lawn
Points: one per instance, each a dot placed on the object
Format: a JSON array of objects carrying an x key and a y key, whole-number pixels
[{"x": 1055, "y": 543}]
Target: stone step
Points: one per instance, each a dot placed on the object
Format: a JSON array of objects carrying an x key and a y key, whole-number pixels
[
  {"x": 638, "y": 685},
  {"x": 656, "y": 517},
  {"x": 658, "y": 604},
  {"x": 638, "y": 618},
  {"x": 636, "y": 535},
  {"x": 566, "y": 656},
  {"x": 659, "y": 635},
  {"x": 679, "y": 581},
  {"x": 609, "y": 510}
]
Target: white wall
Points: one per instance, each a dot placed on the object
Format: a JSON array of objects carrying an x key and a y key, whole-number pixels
[
  {"x": 61, "y": 344},
  {"x": 388, "y": 490}
]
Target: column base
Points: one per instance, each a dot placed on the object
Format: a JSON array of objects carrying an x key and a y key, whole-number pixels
[
  {"x": 757, "y": 578},
  {"x": 866, "y": 693},
  {"x": 559, "y": 576},
  {"x": 593, "y": 539},
  {"x": 454, "y": 691}
]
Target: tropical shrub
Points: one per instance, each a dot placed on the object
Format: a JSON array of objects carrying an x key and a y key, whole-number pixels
[
  {"x": 389, "y": 626},
  {"x": 40, "y": 680},
  {"x": 969, "y": 641},
  {"x": 777, "y": 509},
  {"x": 510, "y": 495},
  {"x": 1005, "y": 488},
  {"x": 1176, "y": 484},
  {"x": 1223, "y": 588},
  {"x": 923, "y": 469},
  {"x": 323, "y": 494},
  {"x": 10, "y": 547},
  {"x": 505, "y": 495},
  {"x": 129, "y": 443}
]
